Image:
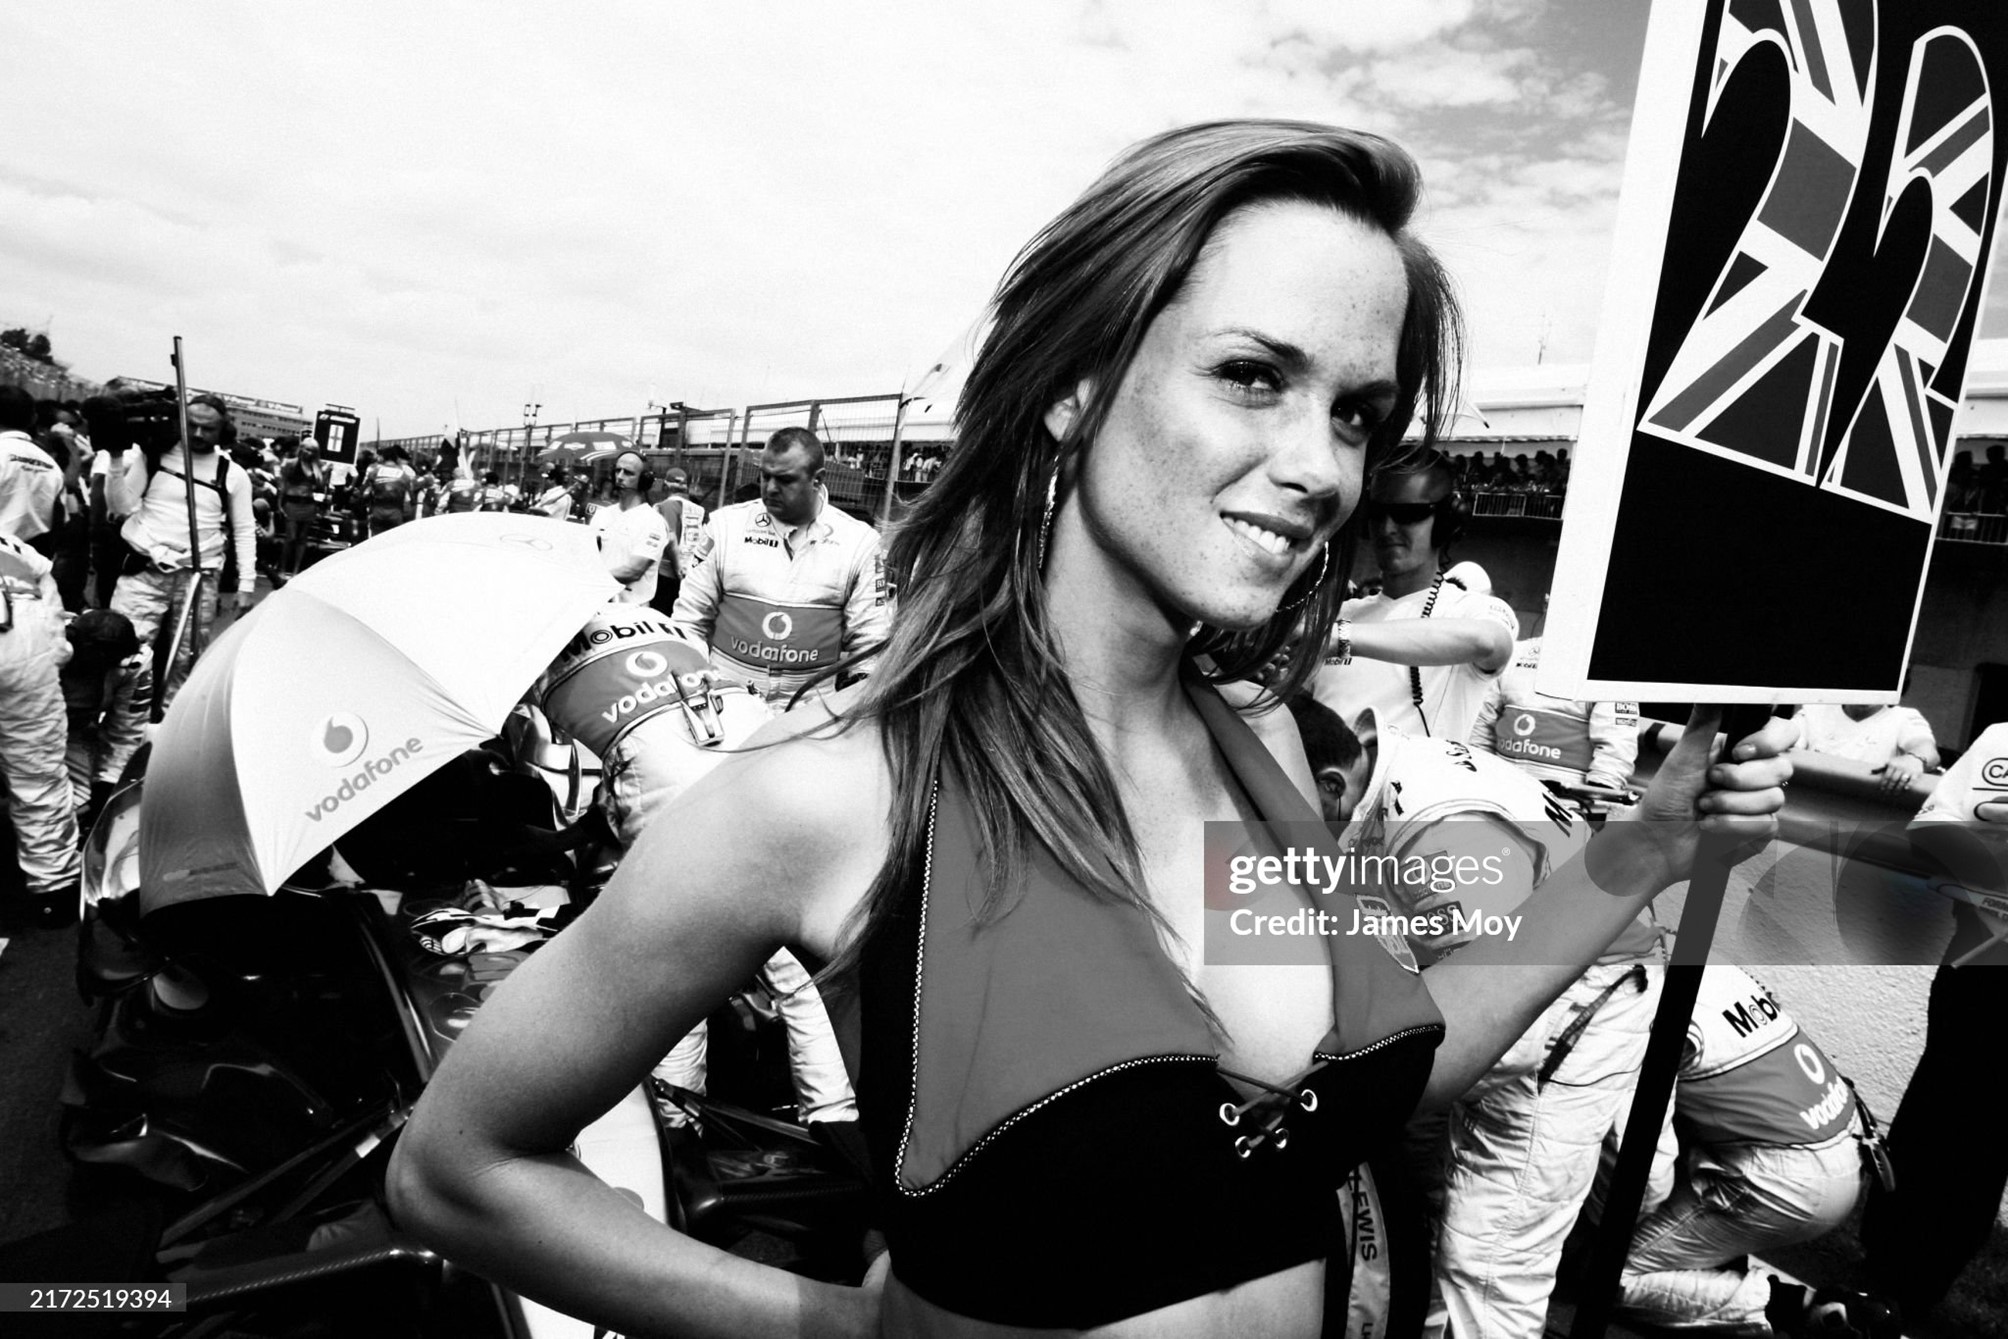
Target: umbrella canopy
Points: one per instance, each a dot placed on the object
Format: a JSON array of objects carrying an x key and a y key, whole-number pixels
[
  {"x": 585, "y": 447},
  {"x": 365, "y": 674}
]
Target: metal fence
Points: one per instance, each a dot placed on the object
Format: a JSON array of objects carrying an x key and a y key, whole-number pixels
[
  {"x": 1968, "y": 527},
  {"x": 1530, "y": 506}
]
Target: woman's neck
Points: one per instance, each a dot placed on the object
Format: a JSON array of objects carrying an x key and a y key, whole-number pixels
[{"x": 1122, "y": 649}]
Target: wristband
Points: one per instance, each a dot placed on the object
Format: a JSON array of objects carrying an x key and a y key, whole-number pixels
[{"x": 1339, "y": 646}]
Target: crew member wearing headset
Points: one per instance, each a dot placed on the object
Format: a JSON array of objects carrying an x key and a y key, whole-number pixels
[
  {"x": 1435, "y": 638},
  {"x": 787, "y": 586},
  {"x": 631, "y": 533}
]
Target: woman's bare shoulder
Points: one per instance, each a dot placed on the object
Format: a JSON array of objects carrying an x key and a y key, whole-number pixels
[{"x": 1276, "y": 728}]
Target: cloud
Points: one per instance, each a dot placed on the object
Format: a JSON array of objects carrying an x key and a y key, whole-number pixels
[{"x": 401, "y": 208}]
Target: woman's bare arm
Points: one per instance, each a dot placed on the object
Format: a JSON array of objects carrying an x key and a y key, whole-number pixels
[
  {"x": 1493, "y": 990},
  {"x": 773, "y": 841}
]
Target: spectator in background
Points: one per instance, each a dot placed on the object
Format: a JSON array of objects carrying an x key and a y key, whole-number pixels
[
  {"x": 457, "y": 487},
  {"x": 152, "y": 489},
  {"x": 110, "y": 437},
  {"x": 390, "y": 489},
  {"x": 264, "y": 507},
  {"x": 303, "y": 481},
  {"x": 1543, "y": 472},
  {"x": 556, "y": 499},
  {"x": 1896, "y": 741},
  {"x": 491, "y": 496},
  {"x": 31, "y": 482},
  {"x": 1992, "y": 479},
  {"x": 70, "y": 537},
  {"x": 1962, "y": 485}
]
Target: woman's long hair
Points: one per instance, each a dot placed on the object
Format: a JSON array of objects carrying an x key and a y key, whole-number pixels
[{"x": 971, "y": 677}]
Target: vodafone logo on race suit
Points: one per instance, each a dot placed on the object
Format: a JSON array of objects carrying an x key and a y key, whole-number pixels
[
  {"x": 649, "y": 672},
  {"x": 778, "y": 626},
  {"x": 1523, "y": 725}
]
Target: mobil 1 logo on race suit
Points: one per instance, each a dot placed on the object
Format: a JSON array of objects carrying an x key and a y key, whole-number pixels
[
  {"x": 623, "y": 667},
  {"x": 767, "y": 635}
]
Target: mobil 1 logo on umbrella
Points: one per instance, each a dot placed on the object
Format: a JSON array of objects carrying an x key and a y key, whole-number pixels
[{"x": 1816, "y": 235}]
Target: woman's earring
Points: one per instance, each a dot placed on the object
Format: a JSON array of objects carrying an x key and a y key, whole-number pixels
[
  {"x": 1324, "y": 562},
  {"x": 1046, "y": 521}
]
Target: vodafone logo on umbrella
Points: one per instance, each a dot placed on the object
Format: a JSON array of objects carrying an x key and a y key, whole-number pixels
[{"x": 340, "y": 738}]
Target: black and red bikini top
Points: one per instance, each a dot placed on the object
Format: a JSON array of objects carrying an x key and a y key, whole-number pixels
[{"x": 1054, "y": 1140}]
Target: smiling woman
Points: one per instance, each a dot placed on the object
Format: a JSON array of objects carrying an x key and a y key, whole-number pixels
[{"x": 997, "y": 842}]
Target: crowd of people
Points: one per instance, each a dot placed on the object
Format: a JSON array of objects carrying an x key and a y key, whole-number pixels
[
  {"x": 968, "y": 849},
  {"x": 1545, "y": 472},
  {"x": 1978, "y": 489}
]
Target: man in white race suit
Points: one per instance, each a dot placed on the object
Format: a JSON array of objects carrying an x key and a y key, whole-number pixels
[{"x": 786, "y": 586}]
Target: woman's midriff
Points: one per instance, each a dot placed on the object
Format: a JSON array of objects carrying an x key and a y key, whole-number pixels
[{"x": 1288, "y": 1303}]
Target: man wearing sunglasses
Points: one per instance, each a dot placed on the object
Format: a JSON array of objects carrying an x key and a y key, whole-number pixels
[{"x": 1423, "y": 651}]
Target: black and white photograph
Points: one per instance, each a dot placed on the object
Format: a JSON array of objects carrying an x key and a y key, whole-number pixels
[{"x": 1083, "y": 667}]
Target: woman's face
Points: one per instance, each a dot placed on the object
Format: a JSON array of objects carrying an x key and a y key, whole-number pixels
[{"x": 1236, "y": 444}]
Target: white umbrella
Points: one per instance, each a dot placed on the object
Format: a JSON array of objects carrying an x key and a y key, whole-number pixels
[{"x": 368, "y": 672}]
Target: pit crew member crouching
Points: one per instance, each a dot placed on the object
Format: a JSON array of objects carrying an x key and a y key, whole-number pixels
[
  {"x": 1519, "y": 1152},
  {"x": 1770, "y": 1152}
]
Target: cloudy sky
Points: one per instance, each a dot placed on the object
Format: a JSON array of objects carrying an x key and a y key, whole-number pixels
[{"x": 434, "y": 213}]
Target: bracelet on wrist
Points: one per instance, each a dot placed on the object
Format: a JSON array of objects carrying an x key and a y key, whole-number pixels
[{"x": 1339, "y": 646}]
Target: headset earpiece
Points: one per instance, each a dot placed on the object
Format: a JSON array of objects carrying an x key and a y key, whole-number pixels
[{"x": 1452, "y": 514}]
